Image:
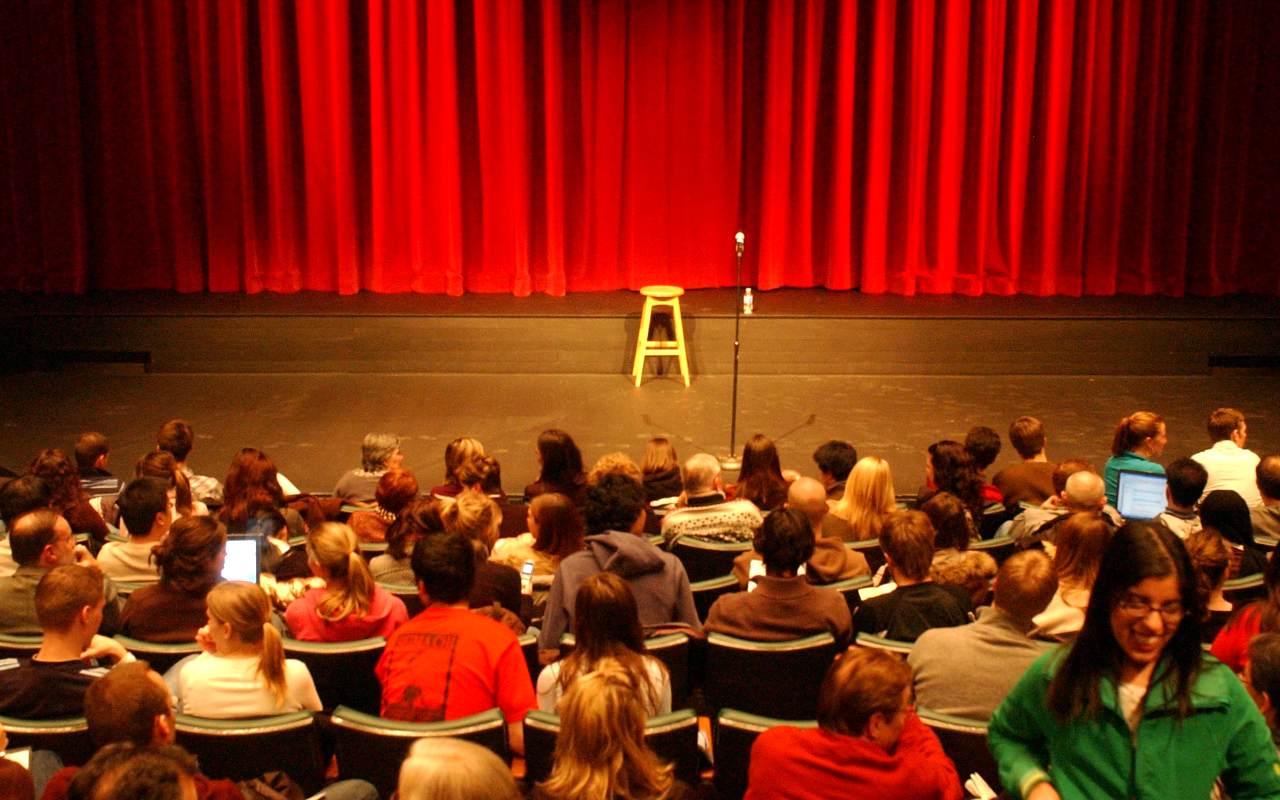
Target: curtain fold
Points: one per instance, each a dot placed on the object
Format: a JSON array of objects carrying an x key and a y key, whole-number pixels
[{"x": 909, "y": 146}]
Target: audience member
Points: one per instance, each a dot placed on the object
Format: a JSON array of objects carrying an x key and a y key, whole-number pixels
[
  {"x": 867, "y": 501},
  {"x": 617, "y": 463},
  {"x": 706, "y": 514},
  {"x": 42, "y": 540},
  {"x": 66, "y": 495},
  {"x": 983, "y": 445},
  {"x": 477, "y": 517},
  {"x": 190, "y": 562},
  {"x": 783, "y": 605},
  {"x": 760, "y": 479},
  {"x": 1226, "y": 512},
  {"x": 953, "y": 562},
  {"x": 16, "y": 782},
  {"x": 1230, "y": 466},
  {"x": 456, "y": 453},
  {"x": 242, "y": 671},
  {"x": 561, "y": 467},
  {"x": 253, "y": 495},
  {"x": 178, "y": 438},
  {"x": 835, "y": 460},
  {"x": 950, "y": 468},
  {"x": 614, "y": 513},
  {"x": 1260, "y": 616},
  {"x": 419, "y": 519},
  {"x": 1030, "y": 480},
  {"x": 1082, "y": 541},
  {"x": 1261, "y": 678},
  {"x": 159, "y": 464},
  {"x": 1134, "y": 708},
  {"x": 1210, "y": 555},
  {"x": 661, "y": 470},
  {"x": 484, "y": 474},
  {"x": 967, "y": 670},
  {"x": 126, "y": 772},
  {"x": 1266, "y": 517},
  {"x": 916, "y": 603},
  {"x": 1186, "y": 484},
  {"x": 555, "y": 533},
  {"x": 868, "y": 743},
  {"x": 449, "y": 662},
  {"x": 51, "y": 684},
  {"x": 351, "y": 605},
  {"x": 831, "y": 560},
  {"x": 606, "y": 625},
  {"x": 397, "y": 488},
  {"x": 18, "y": 497},
  {"x": 92, "y": 451},
  {"x": 454, "y": 769},
  {"x": 144, "y": 507},
  {"x": 1082, "y": 492},
  {"x": 1138, "y": 439},
  {"x": 379, "y": 454},
  {"x": 601, "y": 752}
]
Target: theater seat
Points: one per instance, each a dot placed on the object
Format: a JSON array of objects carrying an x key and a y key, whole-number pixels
[
  {"x": 372, "y": 748},
  {"x": 408, "y": 593},
  {"x": 16, "y": 645},
  {"x": 999, "y": 548},
  {"x": 849, "y": 588},
  {"x": 870, "y": 549},
  {"x": 706, "y": 593},
  {"x": 705, "y": 560},
  {"x": 771, "y": 679},
  {"x": 1241, "y": 591},
  {"x": 736, "y": 732},
  {"x": 673, "y": 737},
  {"x": 160, "y": 656},
  {"x": 881, "y": 643},
  {"x": 965, "y": 741},
  {"x": 239, "y": 749},
  {"x": 69, "y": 738},
  {"x": 343, "y": 671}
]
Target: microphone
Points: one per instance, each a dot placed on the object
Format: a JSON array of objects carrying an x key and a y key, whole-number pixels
[{"x": 740, "y": 238}]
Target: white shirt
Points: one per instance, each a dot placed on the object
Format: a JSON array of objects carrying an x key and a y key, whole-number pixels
[
  {"x": 1230, "y": 467},
  {"x": 221, "y": 687},
  {"x": 549, "y": 687},
  {"x": 129, "y": 562}
]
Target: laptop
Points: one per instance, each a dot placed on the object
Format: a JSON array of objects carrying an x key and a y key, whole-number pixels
[
  {"x": 1140, "y": 495},
  {"x": 244, "y": 554}
]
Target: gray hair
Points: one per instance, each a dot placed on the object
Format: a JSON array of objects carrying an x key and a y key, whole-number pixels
[
  {"x": 700, "y": 473},
  {"x": 377, "y": 448}
]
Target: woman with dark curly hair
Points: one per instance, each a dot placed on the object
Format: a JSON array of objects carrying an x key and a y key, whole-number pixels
[
  {"x": 950, "y": 468},
  {"x": 418, "y": 519},
  {"x": 66, "y": 495},
  {"x": 190, "y": 562}
]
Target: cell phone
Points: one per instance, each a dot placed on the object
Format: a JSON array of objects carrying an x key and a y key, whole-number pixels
[{"x": 526, "y": 577}]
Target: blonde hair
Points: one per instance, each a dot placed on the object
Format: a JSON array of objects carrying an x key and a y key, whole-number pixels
[
  {"x": 245, "y": 607},
  {"x": 659, "y": 456},
  {"x": 615, "y": 464},
  {"x": 473, "y": 515},
  {"x": 456, "y": 454},
  {"x": 868, "y": 497},
  {"x": 454, "y": 768},
  {"x": 349, "y": 589},
  {"x": 600, "y": 752}
]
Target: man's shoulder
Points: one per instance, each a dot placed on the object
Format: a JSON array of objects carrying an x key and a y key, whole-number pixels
[{"x": 462, "y": 623}]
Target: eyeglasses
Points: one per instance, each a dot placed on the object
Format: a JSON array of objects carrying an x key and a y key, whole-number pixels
[{"x": 1131, "y": 606}]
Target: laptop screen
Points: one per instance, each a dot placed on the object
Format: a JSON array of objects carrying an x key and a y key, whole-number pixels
[
  {"x": 243, "y": 553},
  {"x": 1140, "y": 495}
]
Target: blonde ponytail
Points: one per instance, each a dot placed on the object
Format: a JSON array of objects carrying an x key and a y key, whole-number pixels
[
  {"x": 350, "y": 588},
  {"x": 245, "y": 607},
  {"x": 271, "y": 663}
]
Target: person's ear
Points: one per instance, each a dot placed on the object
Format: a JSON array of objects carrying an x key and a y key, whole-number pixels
[
  {"x": 422, "y": 593},
  {"x": 162, "y": 729},
  {"x": 872, "y": 729}
]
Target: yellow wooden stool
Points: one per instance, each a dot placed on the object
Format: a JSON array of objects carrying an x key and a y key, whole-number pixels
[{"x": 660, "y": 296}]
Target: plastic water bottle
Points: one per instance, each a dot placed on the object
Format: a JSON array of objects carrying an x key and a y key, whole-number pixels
[{"x": 748, "y": 302}]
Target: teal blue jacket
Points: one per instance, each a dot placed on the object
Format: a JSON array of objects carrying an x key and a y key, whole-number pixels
[
  {"x": 1092, "y": 759},
  {"x": 1130, "y": 461}
]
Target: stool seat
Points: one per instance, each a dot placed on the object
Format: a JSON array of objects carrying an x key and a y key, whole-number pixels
[{"x": 654, "y": 296}]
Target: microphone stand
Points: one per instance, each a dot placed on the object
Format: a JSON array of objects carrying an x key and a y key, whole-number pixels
[{"x": 733, "y": 462}]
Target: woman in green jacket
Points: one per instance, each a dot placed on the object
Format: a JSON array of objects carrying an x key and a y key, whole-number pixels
[{"x": 1134, "y": 708}]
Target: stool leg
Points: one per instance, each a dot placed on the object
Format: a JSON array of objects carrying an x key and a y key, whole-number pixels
[
  {"x": 637, "y": 370},
  {"x": 679, "y": 323}
]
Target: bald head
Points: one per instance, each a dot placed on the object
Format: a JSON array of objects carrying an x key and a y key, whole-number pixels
[
  {"x": 700, "y": 474},
  {"x": 1085, "y": 492},
  {"x": 809, "y": 497}
]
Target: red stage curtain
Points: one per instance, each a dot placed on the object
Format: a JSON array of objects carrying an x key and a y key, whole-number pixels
[{"x": 937, "y": 146}]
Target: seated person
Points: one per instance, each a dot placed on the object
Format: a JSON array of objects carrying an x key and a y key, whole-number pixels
[
  {"x": 190, "y": 562},
  {"x": 419, "y": 518},
  {"x": 379, "y": 454},
  {"x": 477, "y": 517},
  {"x": 601, "y": 753},
  {"x": 456, "y": 453},
  {"x": 1082, "y": 540},
  {"x": 953, "y": 562},
  {"x": 124, "y": 771},
  {"x": 1261, "y": 678},
  {"x": 1226, "y": 512},
  {"x": 606, "y": 625},
  {"x": 831, "y": 560},
  {"x": 661, "y": 470},
  {"x": 868, "y": 743},
  {"x": 51, "y": 684},
  {"x": 92, "y": 452},
  {"x": 614, "y": 513},
  {"x": 454, "y": 768},
  {"x": 917, "y": 603},
  {"x": 555, "y": 533},
  {"x": 242, "y": 671},
  {"x": 177, "y": 438},
  {"x": 783, "y": 604},
  {"x": 18, "y": 498},
  {"x": 706, "y": 514},
  {"x": 967, "y": 670},
  {"x": 1227, "y": 463},
  {"x": 1083, "y": 491},
  {"x": 449, "y": 662},
  {"x": 1211, "y": 555},
  {"x": 350, "y": 606},
  {"x": 397, "y": 488},
  {"x": 1031, "y": 479},
  {"x": 983, "y": 446},
  {"x": 1186, "y": 483},
  {"x": 67, "y": 497},
  {"x": 144, "y": 507},
  {"x": 42, "y": 540},
  {"x": 835, "y": 460}
]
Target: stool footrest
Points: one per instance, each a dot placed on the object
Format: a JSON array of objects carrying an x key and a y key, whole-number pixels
[{"x": 645, "y": 347}]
